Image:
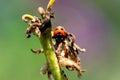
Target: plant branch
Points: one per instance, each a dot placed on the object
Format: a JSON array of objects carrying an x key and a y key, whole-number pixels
[{"x": 42, "y": 29}]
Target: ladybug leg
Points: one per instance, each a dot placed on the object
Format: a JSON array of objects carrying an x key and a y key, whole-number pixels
[{"x": 37, "y": 51}]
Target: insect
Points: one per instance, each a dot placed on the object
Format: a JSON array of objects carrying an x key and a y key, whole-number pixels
[
  {"x": 63, "y": 42},
  {"x": 66, "y": 49}
]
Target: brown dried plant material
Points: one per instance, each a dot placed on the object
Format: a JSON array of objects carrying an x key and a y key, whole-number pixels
[
  {"x": 41, "y": 27},
  {"x": 66, "y": 49},
  {"x": 63, "y": 43}
]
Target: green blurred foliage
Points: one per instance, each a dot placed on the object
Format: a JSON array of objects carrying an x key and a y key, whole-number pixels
[{"x": 18, "y": 63}]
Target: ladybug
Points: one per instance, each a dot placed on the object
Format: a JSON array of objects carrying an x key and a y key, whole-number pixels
[
  {"x": 61, "y": 35},
  {"x": 59, "y": 32}
]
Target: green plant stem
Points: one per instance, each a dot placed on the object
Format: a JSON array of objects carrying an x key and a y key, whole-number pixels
[{"x": 46, "y": 42}]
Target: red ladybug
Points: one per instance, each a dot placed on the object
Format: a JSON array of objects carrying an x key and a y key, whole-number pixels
[{"x": 59, "y": 32}]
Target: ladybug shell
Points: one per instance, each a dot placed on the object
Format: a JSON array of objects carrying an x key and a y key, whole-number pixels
[{"x": 59, "y": 32}]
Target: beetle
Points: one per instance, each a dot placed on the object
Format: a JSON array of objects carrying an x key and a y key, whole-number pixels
[{"x": 66, "y": 50}]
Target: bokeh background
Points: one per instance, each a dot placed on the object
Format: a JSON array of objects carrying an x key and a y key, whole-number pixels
[{"x": 96, "y": 24}]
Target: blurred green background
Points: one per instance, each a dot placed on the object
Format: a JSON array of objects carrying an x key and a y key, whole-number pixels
[{"x": 96, "y": 24}]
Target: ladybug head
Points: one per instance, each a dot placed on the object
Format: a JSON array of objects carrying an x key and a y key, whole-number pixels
[{"x": 59, "y": 32}]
